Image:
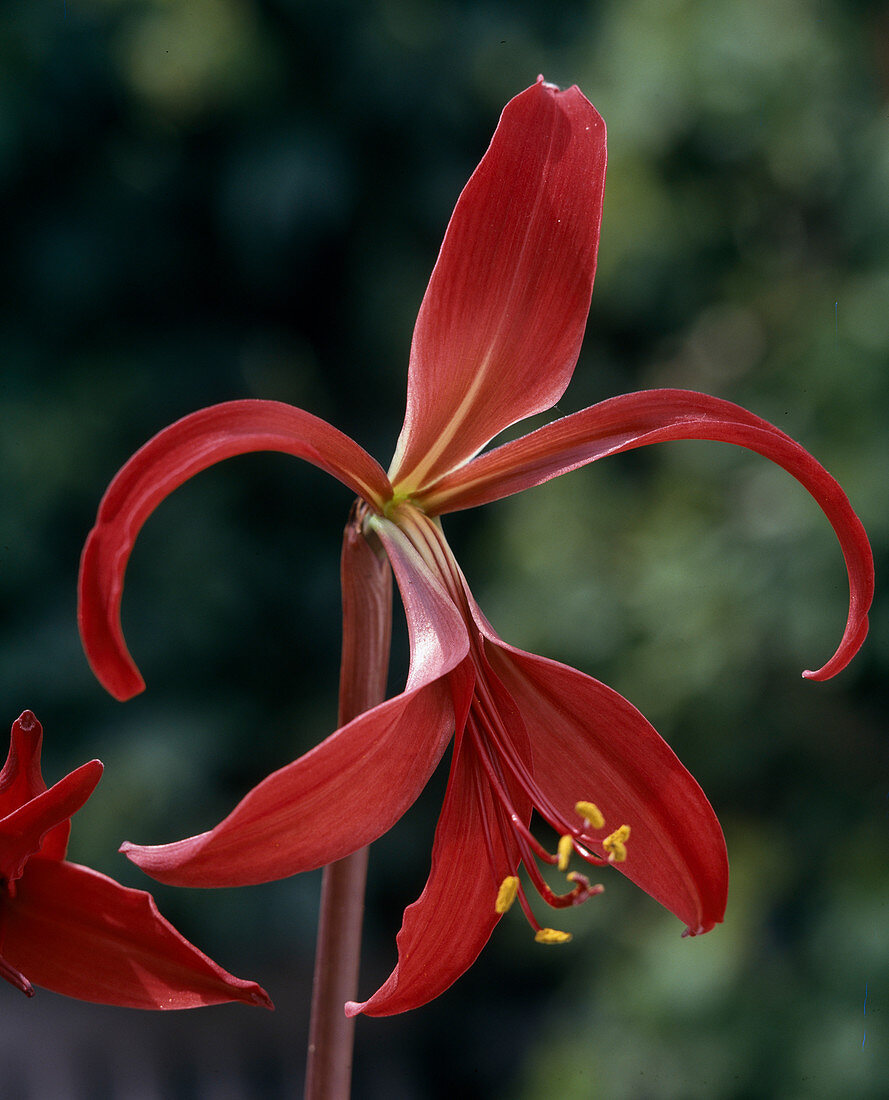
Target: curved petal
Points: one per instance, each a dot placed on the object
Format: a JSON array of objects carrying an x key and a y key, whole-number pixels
[
  {"x": 657, "y": 416},
  {"x": 22, "y": 833},
  {"x": 356, "y": 784},
  {"x": 445, "y": 929},
  {"x": 74, "y": 931},
  {"x": 335, "y": 799},
  {"x": 500, "y": 327},
  {"x": 162, "y": 465},
  {"x": 590, "y": 744}
]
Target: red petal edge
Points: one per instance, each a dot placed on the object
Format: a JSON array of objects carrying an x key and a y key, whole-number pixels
[
  {"x": 658, "y": 416},
  {"x": 501, "y": 323},
  {"x": 79, "y": 933},
  {"x": 162, "y": 465}
]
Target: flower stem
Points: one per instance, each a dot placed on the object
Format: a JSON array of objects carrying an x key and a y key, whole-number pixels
[{"x": 367, "y": 620}]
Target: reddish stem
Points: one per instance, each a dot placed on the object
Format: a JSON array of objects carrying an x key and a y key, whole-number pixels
[{"x": 367, "y": 620}]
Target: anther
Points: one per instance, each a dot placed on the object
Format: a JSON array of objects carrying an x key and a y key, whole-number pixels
[
  {"x": 566, "y": 847},
  {"x": 590, "y": 813},
  {"x": 616, "y": 844},
  {"x": 552, "y": 935},
  {"x": 506, "y": 895}
]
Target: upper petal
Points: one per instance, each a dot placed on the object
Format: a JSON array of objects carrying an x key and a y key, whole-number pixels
[
  {"x": 657, "y": 416},
  {"x": 500, "y": 326},
  {"x": 76, "y": 932},
  {"x": 162, "y": 465}
]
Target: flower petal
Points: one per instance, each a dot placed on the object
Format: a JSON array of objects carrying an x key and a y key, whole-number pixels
[
  {"x": 590, "y": 744},
  {"x": 21, "y": 778},
  {"x": 657, "y": 416},
  {"x": 356, "y": 784},
  {"x": 501, "y": 324},
  {"x": 444, "y": 930},
  {"x": 76, "y": 932},
  {"x": 337, "y": 798},
  {"x": 162, "y": 465},
  {"x": 22, "y": 832}
]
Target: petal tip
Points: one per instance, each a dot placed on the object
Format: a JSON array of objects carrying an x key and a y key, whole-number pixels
[{"x": 353, "y": 1008}]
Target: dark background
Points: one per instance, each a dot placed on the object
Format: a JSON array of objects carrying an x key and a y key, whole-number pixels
[{"x": 211, "y": 199}]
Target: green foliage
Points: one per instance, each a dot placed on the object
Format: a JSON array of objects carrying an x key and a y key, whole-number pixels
[{"x": 228, "y": 198}]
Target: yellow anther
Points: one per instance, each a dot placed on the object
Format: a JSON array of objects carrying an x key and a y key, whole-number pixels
[
  {"x": 566, "y": 847},
  {"x": 591, "y": 813},
  {"x": 616, "y": 844},
  {"x": 552, "y": 935},
  {"x": 506, "y": 895}
]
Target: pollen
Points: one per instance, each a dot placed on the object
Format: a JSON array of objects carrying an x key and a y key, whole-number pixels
[
  {"x": 552, "y": 935},
  {"x": 506, "y": 895},
  {"x": 591, "y": 813},
  {"x": 616, "y": 844},
  {"x": 566, "y": 847}
]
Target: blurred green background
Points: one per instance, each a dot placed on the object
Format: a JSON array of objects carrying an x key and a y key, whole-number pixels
[{"x": 212, "y": 199}]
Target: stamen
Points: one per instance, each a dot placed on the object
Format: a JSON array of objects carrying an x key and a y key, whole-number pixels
[
  {"x": 615, "y": 844},
  {"x": 506, "y": 895},
  {"x": 552, "y": 935},
  {"x": 591, "y": 814},
  {"x": 566, "y": 847}
]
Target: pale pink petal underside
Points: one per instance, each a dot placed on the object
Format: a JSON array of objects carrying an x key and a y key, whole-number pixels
[{"x": 501, "y": 324}]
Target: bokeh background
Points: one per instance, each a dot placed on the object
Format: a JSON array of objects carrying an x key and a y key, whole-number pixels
[{"x": 212, "y": 199}]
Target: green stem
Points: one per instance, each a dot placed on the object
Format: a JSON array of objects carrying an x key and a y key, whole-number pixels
[{"x": 367, "y": 620}]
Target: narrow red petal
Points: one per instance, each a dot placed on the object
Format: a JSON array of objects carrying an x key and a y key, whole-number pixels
[
  {"x": 501, "y": 324},
  {"x": 76, "y": 932},
  {"x": 590, "y": 744},
  {"x": 658, "y": 416},
  {"x": 356, "y": 784},
  {"x": 162, "y": 465},
  {"x": 22, "y": 832},
  {"x": 444, "y": 930},
  {"x": 21, "y": 778},
  {"x": 337, "y": 798}
]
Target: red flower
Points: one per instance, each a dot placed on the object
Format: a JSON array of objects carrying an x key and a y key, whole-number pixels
[
  {"x": 496, "y": 341},
  {"x": 77, "y": 932}
]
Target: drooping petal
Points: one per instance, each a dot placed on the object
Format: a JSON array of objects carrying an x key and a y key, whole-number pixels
[
  {"x": 162, "y": 465},
  {"x": 22, "y": 833},
  {"x": 657, "y": 416},
  {"x": 77, "y": 932},
  {"x": 590, "y": 744},
  {"x": 501, "y": 324},
  {"x": 338, "y": 797},
  {"x": 444, "y": 930},
  {"x": 356, "y": 784}
]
